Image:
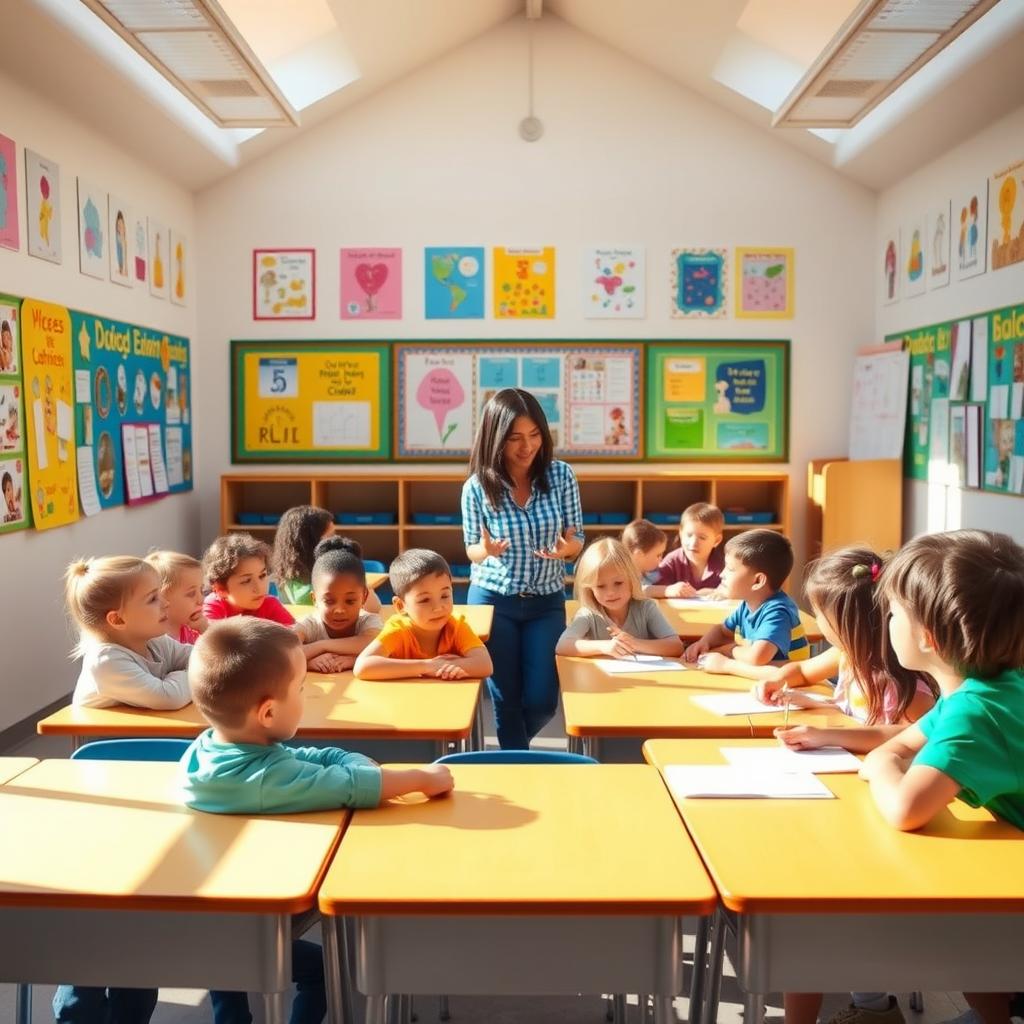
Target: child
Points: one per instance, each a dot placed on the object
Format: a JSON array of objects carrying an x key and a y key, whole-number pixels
[
  {"x": 340, "y": 629},
  {"x": 424, "y": 638},
  {"x": 694, "y": 569},
  {"x": 181, "y": 586},
  {"x": 766, "y": 627},
  {"x": 614, "y": 618},
  {"x": 301, "y": 529},
  {"x": 646, "y": 544},
  {"x": 127, "y": 658},
  {"x": 235, "y": 570},
  {"x": 247, "y": 680},
  {"x": 956, "y": 611}
]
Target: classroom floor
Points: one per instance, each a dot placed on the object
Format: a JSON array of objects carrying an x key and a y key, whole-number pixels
[{"x": 186, "y": 1006}]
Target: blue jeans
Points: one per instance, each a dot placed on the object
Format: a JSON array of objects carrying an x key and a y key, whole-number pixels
[
  {"x": 310, "y": 1003},
  {"x": 79, "y": 1004},
  {"x": 524, "y": 686}
]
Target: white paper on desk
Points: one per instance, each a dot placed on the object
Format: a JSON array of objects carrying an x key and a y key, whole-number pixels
[
  {"x": 642, "y": 663},
  {"x": 823, "y": 761},
  {"x": 699, "y": 602},
  {"x": 694, "y": 781},
  {"x": 734, "y": 704},
  {"x": 87, "y": 493}
]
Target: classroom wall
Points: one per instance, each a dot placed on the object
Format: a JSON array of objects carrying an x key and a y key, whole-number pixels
[
  {"x": 627, "y": 156},
  {"x": 33, "y": 636},
  {"x": 929, "y": 507}
]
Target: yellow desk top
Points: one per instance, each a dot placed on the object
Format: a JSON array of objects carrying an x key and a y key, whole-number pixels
[
  {"x": 11, "y": 767},
  {"x": 375, "y": 579},
  {"x": 839, "y": 856},
  {"x": 692, "y": 619},
  {"x": 115, "y": 835},
  {"x": 337, "y": 706},
  {"x": 523, "y": 839},
  {"x": 659, "y": 704},
  {"x": 479, "y": 616}
]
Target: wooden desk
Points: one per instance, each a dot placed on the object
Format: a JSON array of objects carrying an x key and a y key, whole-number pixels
[
  {"x": 376, "y": 579},
  {"x": 479, "y": 616},
  {"x": 659, "y": 704},
  {"x": 106, "y": 879},
  {"x": 11, "y": 767},
  {"x": 577, "y": 868},
  {"x": 338, "y": 707},
  {"x": 692, "y": 619},
  {"x": 830, "y": 898}
]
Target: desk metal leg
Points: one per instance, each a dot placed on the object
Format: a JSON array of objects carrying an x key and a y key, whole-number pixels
[
  {"x": 753, "y": 1008},
  {"x": 715, "y": 958},
  {"x": 375, "y": 1009},
  {"x": 444, "y": 1011},
  {"x": 23, "y": 1011},
  {"x": 336, "y": 973},
  {"x": 619, "y": 1008},
  {"x": 700, "y": 963},
  {"x": 590, "y": 747},
  {"x": 273, "y": 1007},
  {"x": 664, "y": 1010}
]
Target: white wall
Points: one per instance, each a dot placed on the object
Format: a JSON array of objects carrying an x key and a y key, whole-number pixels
[
  {"x": 33, "y": 635},
  {"x": 931, "y": 507},
  {"x": 627, "y": 156}
]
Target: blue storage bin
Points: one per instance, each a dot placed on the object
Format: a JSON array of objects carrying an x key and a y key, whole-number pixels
[
  {"x": 662, "y": 518},
  {"x": 365, "y": 518},
  {"x": 250, "y": 518},
  {"x": 591, "y": 519},
  {"x": 749, "y": 517},
  {"x": 437, "y": 518},
  {"x": 271, "y": 520},
  {"x": 614, "y": 518}
]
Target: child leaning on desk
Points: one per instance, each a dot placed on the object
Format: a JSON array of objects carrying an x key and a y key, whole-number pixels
[
  {"x": 694, "y": 569},
  {"x": 614, "y": 618},
  {"x": 247, "y": 678},
  {"x": 423, "y": 639}
]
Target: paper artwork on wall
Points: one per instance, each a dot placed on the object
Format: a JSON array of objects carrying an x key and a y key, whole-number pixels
[
  {"x": 140, "y": 250},
  {"x": 937, "y": 248},
  {"x": 9, "y": 238},
  {"x": 524, "y": 283},
  {"x": 93, "y": 237},
  {"x": 765, "y": 283},
  {"x": 120, "y": 225},
  {"x": 614, "y": 282},
  {"x": 1007, "y": 218},
  {"x": 159, "y": 259},
  {"x": 283, "y": 284},
  {"x": 970, "y": 212},
  {"x": 699, "y": 283},
  {"x": 42, "y": 204},
  {"x": 371, "y": 284},
  {"x": 912, "y": 258},
  {"x": 179, "y": 268},
  {"x": 888, "y": 264},
  {"x": 453, "y": 282}
]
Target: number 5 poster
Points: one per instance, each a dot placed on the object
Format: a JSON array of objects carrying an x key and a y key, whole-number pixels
[{"x": 49, "y": 413}]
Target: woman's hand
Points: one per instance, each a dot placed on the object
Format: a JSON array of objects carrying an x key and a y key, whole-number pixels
[
  {"x": 564, "y": 548},
  {"x": 494, "y": 546}
]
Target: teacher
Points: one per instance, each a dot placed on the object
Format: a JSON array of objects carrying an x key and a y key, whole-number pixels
[{"x": 521, "y": 522}]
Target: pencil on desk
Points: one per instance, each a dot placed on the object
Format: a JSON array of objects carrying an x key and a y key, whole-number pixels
[{"x": 785, "y": 714}]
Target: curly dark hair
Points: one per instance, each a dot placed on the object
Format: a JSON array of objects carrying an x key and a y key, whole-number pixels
[
  {"x": 300, "y": 530},
  {"x": 222, "y": 557}
]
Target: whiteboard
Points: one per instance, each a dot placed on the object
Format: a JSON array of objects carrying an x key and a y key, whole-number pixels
[{"x": 878, "y": 412}]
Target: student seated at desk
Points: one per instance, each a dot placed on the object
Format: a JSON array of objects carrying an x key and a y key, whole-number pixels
[
  {"x": 236, "y": 568},
  {"x": 181, "y": 586},
  {"x": 646, "y": 544},
  {"x": 694, "y": 569},
  {"x": 766, "y": 626},
  {"x": 956, "y": 611},
  {"x": 341, "y": 627},
  {"x": 614, "y": 618},
  {"x": 121, "y": 617},
  {"x": 424, "y": 638},
  {"x": 247, "y": 679}
]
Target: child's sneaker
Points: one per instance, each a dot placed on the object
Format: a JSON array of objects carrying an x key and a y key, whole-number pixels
[{"x": 858, "y": 1015}]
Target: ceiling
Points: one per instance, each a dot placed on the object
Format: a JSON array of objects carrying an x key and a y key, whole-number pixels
[{"x": 713, "y": 49}]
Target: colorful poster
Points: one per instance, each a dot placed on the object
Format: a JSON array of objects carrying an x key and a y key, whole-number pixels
[
  {"x": 120, "y": 225},
  {"x": 283, "y": 284},
  {"x": 888, "y": 264},
  {"x": 524, "y": 283},
  {"x": 93, "y": 239},
  {"x": 453, "y": 282},
  {"x": 14, "y": 507},
  {"x": 590, "y": 395},
  {"x": 49, "y": 394},
  {"x": 765, "y": 283},
  {"x": 614, "y": 283},
  {"x": 308, "y": 401},
  {"x": 9, "y": 238},
  {"x": 699, "y": 283},
  {"x": 1007, "y": 224},
  {"x": 140, "y": 250},
  {"x": 718, "y": 400},
  {"x": 179, "y": 272},
  {"x": 960, "y": 371},
  {"x": 159, "y": 259},
  {"x": 1004, "y": 422},
  {"x": 371, "y": 284},
  {"x": 125, "y": 376},
  {"x": 970, "y": 208},
  {"x": 42, "y": 206},
  {"x": 912, "y": 258},
  {"x": 938, "y": 245}
]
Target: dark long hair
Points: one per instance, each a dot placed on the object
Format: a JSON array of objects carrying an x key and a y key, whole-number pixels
[
  {"x": 300, "y": 530},
  {"x": 488, "y": 458}
]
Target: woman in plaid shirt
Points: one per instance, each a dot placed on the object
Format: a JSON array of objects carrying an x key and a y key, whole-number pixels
[{"x": 521, "y": 521}]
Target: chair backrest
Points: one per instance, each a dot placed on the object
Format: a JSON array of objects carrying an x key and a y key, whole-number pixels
[
  {"x": 515, "y": 757},
  {"x": 132, "y": 750},
  {"x": 372, "y": 565}
]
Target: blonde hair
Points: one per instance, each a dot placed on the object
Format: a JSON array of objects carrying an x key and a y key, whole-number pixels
[
  {"x": 95, "y": 586},
  {"x": 605, "y": 553},
  {"x": 170, "y": 565}
]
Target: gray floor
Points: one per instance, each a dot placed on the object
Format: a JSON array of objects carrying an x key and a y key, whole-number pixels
[{"x": 183, "y": 1006}]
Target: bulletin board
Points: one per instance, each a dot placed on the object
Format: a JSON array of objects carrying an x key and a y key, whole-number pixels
[
  {"x": 310, "y": 401},
  {"x": 718, "y": 400},
  {"x": 590, "y": 393},
  {"x": 15, "y": 505}
]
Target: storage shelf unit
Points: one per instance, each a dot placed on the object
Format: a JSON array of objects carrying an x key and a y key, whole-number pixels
[{"x": 663, "y": 492}]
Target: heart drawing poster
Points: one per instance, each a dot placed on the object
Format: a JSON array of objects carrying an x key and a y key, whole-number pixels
[{"x": 371, "y": 284}]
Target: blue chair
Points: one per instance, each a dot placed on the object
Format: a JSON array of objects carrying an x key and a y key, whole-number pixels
[
  {"x": 515, "y": 757},
  {"x": 372, "y": 565},
  {"x": 132, "y": 750}
]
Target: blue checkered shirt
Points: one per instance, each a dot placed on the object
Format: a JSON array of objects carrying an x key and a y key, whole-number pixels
[{"x": 519, "y": 570}]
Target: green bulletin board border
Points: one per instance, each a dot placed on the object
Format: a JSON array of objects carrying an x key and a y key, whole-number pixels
[
  {"x": 240, "y": 348},
  {"x": 751, "y": 349}
]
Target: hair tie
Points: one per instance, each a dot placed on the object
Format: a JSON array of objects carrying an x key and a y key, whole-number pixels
[{"x": 874, "y": 571}]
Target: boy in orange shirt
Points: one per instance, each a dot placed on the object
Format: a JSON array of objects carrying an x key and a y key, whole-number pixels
[{"x": 423, "y": 638}]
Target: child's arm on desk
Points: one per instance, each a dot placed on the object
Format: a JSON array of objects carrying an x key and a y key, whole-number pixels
[
  {"x": 431, "y": 780},
  {"x": 794, "y": 673},
  {"x": 375, "y": 663},
  {"x": 716, "y": 636}
]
